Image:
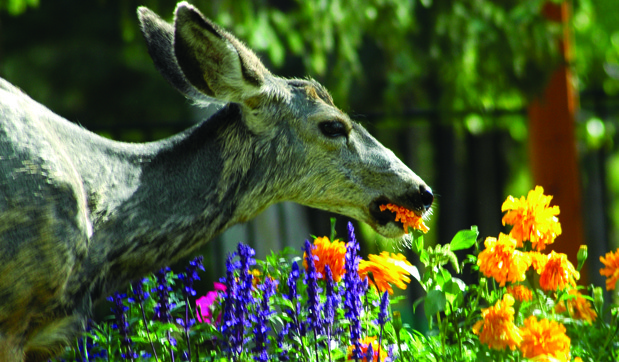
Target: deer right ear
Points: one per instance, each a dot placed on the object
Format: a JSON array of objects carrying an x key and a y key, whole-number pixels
[{"x": 214, "y": 61}]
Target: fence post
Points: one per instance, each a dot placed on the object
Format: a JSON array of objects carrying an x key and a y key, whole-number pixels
[{"x": 554, "y": 159}]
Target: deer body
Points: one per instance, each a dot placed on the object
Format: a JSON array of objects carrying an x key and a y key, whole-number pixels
[{"x": 81, "y": 216}]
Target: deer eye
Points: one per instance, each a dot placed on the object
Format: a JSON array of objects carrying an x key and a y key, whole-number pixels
[{"x": 333, "y": 129}]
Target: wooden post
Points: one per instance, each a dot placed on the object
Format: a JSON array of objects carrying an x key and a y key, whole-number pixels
[{"x": 554, "y": 160}]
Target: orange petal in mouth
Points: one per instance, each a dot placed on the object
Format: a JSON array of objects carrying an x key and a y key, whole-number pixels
[{"x": 406, "y": 217}]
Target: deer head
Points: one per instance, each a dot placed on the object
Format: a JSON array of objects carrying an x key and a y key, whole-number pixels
[{"x": 323, "y": 158}]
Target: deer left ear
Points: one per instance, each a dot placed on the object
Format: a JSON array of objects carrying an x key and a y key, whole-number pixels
[
  {"x": 214, "y": 61},
  {"x": 159, "y": 36}
]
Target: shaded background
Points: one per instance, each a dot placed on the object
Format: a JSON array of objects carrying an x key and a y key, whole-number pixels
[{"x": 481, "y": 98}]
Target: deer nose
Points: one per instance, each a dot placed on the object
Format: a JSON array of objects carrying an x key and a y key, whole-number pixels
[{"x": 426, "y": 196}]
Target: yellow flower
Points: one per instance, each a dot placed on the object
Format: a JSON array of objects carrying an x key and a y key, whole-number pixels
[
  {"x": 520, "y": 293},
  {"x": 578, "y": 307},
  {"x": 544, "y": 340},
  {"x": 558, "y": 273},
  {"x": 406, "y": 217},
  {"x": 499, "y": 330},
  {"x": 386, "y": 269},
  {"x": 364, "y": 350},
  {"x": 532, "y": 218},
  {"x": 611, "y": 269},
  {"x": 502, "y": 261},
  {"x": 257, "y": 277},
  {"x": 329, "y": 253},
  {"x": 538, "y": 260}
]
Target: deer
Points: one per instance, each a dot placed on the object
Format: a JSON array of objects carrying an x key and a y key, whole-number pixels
[{"x": 82, "y": 216}]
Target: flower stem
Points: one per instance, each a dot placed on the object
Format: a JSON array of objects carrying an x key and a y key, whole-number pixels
[
  {"x": 441, "y": 332},
  {"x": 171, "y": 350},
  {"x": 609, "y": 338},
  {"x": 187, "y": 328},
  {"x": 397, "y": 337},
  {"x": 316, "y": 345},
  {"x": 380, "y": 341},
  {"x": 329, "y": 343},
  {"x": 148, "y": 331},
  {"x": 542, "y": 303}
]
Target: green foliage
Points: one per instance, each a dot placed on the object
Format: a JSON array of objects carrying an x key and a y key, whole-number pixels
[
  {"x": 596, "y": 53},
  {"x": 459, "y": 53},
  {"x": 451, "y": 307},
  {"x": 447, "y": 55},
  {"x": 17, "y": 7}
]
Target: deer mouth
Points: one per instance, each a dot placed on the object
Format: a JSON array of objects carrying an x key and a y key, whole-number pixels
[
  {"x": 384, "y": 217},
  {"x": 385, "y": 212}
]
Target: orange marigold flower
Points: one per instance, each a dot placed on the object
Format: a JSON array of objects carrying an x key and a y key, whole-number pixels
[
  {"x": 611, "y": 268},
  {"x": 499, "y": 330},
  {"x": 406, "y": 217},
  {"x": 329, "y": 253},
  {"x": 532, "y": 218},
  {"x": 578, "y": 307},
  {"x": 538, "y": 260},
  {"x": 502, "y": 261},
  {"x": 558, "y": 273},
  {"x": 365, "y": 342},
  {"x": 544, "y": 340},
  {"x": 386, "y": 269},
  {"x": 520, "y": 293}
]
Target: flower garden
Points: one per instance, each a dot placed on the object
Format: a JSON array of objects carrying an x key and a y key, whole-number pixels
[{"x": 326, "y": 303}]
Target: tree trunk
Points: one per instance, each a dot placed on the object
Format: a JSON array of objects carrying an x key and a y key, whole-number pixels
[{"x": 553, "y": 144}]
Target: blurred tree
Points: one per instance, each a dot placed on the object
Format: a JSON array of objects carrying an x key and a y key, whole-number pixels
[
  {"x": 453, "y": 54},
  {"x": 16, "y": 7}
]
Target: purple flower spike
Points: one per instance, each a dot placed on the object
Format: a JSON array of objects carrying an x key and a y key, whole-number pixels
[
  {"x": 163, "y": 289},
  {"x": 229, "y": 320},
  {"x": 122, "y": 325},
  {"x": 191, "y": 275},
  {"x": 139, "y": 294},
  {"x": 238, "y": 299},
  {"x": 313, "y": 298},
  {"x": 383, "y": 314},
  {"x": 333, "y": 298},
  {"x": 260, "y": 321},
  {"x": 244, "y": 298},
  {"x": 383, "y": 317},
  {"x": 293, "y": 297},
  {"x": 369, "y": 356},
  {"x": 353, "y": 292}
]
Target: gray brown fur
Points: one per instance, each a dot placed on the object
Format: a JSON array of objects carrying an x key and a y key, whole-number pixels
[{"x": 81, "y": 216}]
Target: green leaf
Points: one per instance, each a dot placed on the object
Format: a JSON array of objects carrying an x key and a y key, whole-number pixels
[
  {"x": 435, "y": 302},
  {"x": 445, "y": 275},
  {"x": 333, "y": 232},
  {"x": 464, "y": 239},
  {"x": 417, "y": 242},
  {"x": 285, "y": 303},
  {"x": 417, "y": 302},
  {"x": 414, "y": 272},
  {"x": 454, "y": 290}
]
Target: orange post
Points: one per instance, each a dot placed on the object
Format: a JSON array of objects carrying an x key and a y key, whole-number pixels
[{"x": 554, "y": 160}]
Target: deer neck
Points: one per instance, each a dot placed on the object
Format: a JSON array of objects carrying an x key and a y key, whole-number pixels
[{"x": 178, "y": 194}]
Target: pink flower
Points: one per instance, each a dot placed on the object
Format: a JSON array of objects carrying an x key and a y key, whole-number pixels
[
  {"x": 206, "y": 304},
  {"x": 219, "y": 287}
]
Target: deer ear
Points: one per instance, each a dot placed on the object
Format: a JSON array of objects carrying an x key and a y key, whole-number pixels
[
  {"x": 159, "y": 37},
  {"x": 214, "y": 61}
]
